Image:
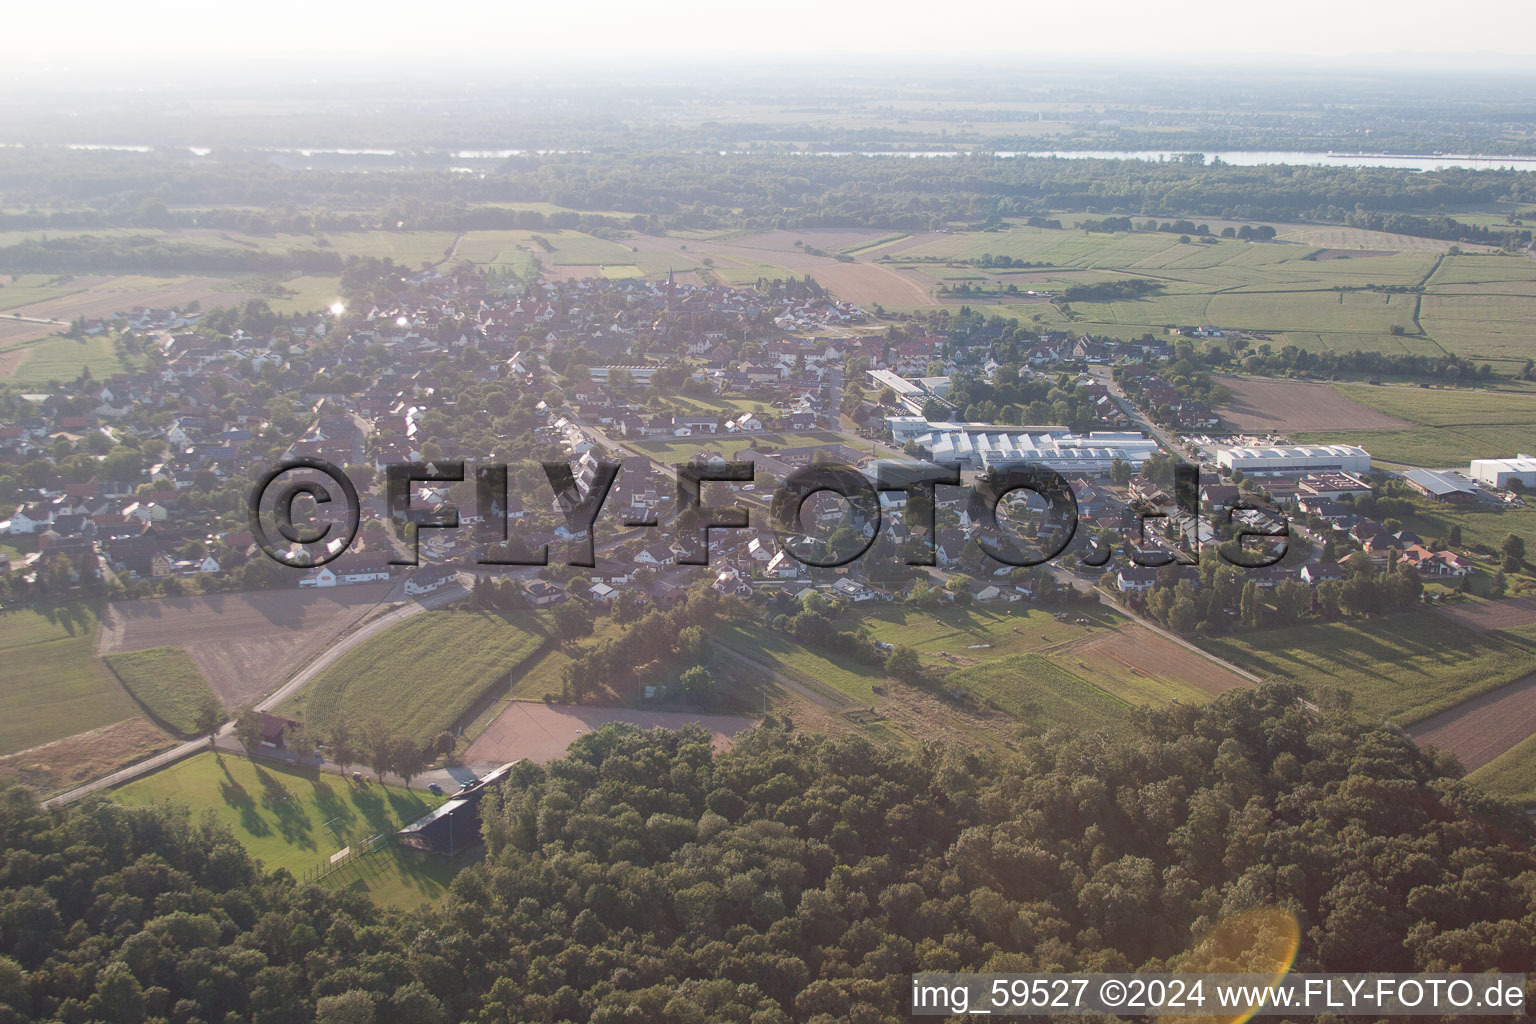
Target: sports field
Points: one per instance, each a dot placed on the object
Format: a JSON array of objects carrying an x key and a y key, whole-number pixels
[{"x": 286, "y": 817}]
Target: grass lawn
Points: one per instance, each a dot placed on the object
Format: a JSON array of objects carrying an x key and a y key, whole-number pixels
[
  {"x": 63, "y": 358},
  {"x": 684, "y": 448},
  {"x": 285, "y": 817},
  {"x": 1010, "y": 632},
  {"x": 1512, "y": 774},
  {"x": 167, "y": 682},
  {"x": 839, "y": 672},
  {"x": 397, "y": 878},
  {"x": 1043, "y": 693},
  {"x": 1457, "y": 425},
  {"x": 424, "y": 673},
  {"x": 1400, "y": 668},
  {"x": 51, "y": 683}
]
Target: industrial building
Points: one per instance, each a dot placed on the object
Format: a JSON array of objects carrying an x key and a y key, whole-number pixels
[
  {"x": 1499, "y": 473},
  {"x": 455, "y": 825},
  {"x": 1343, "y": 458},
  {"x": 910, "y": 428},
  {"x": 1450, "y": 488},
  {"x": 1065, "y": 452},
  {"x": 913, "y": 394}
]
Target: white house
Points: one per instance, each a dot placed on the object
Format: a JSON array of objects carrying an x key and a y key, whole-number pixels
[
  {"x": 321, "y": 577},
  {"x": 429, "y": 580}
]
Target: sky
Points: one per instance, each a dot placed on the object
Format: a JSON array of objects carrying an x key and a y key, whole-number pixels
[{"x": 83, "y": 36}]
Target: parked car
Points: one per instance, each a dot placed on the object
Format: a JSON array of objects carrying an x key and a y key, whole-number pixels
[{"x": 435, "y": 789}]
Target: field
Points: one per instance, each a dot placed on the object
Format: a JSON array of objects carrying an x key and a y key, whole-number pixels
[
  {"x": 1512, "y": 774},
  {"x": 1479, "y": 730},
  {"x": 1024, "y": 661},
  {"x": 167, "y": 683},
  {"x": 51, "y": 685},
  {"x": 286, "y": 817},
  {"x": 244, "y": 644},
  {"x": 424, "y": 673},
  {"x": 684, "y": 448},
  {"x": 394, "y": 877},
  {"x": 1280, "y": 407},
  {"x": 1400, "y": 668},
  {"x": 541, "y": 732},
  {"x": 1482, "y": 615},
  {"x": 1446, "y": 426},
  {"x": 75, "y": 760}
]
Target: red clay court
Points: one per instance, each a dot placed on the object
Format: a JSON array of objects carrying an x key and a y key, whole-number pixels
[{"x": 541, "y": 732}]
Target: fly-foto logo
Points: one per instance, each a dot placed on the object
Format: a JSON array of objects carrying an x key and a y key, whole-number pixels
[{"x": 274, "y": 495}]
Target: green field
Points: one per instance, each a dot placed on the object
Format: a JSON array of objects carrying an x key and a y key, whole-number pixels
[
  {"x": 423, "y": 673},
  {"x": 1022, "y": 660},
  {"x": 51, "y": 683},
  {"x": 1042, "y": 693},
  {"x": 1457, "y": 425},
  {"x": 63, "y": 359},
  {"x": 1512, "y": 774},
  {"x": 167, "y": 682},
  {"x": 682, "y": 449},
  {"x": 843, "y": 673},
  {"x": 396, "y": 878},
  {"x": 285, "y": 817},
  {"x": 1400, "y": 668}
]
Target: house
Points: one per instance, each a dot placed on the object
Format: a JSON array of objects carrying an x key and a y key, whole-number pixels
[
  {"x": 1321, "y": 572},
  {"x": 429, "y": 579},
  {"x": 321, "y": 577},
  {"x": 542, "y": 594},
  {"x": 853, "y": 590},
  {"x": 274, "y": 730},
  {"x": 603, "y": 593},
  {"x": 656, "y": 555},
  {"x": 1135, "y": 580}
]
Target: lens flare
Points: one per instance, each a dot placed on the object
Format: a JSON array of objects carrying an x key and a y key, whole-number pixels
[
  {"x": 1261, "y": 940},
  {"x": 337, "y": 309}
]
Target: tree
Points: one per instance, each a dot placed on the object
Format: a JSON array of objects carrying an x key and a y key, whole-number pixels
[
  {"x": 697, "y": 686},
  {"x": 903, "y": 663},
  {"x": 379, "y": 747},
  {"x": 1499, "y": 586},
  {"x": 210, "y": 719},
  {"x": 410, "y": 760},
  {"x": 301, "y": 742},
  {"x": 572, "y": 622},
  {"x": 248, "y": 729},
  {"x": 341, "y": 745},
  {"x": 1513, "y": 550}
]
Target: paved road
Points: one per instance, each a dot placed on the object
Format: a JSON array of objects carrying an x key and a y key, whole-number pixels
[
  {"x": 277, "y": 696},
  {"x": 1131, "y": 409}
]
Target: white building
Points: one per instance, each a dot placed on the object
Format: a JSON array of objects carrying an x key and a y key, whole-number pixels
[
  {"x": 1065, "y": 452},
  {"x": 1498, "y": 473},
  {"x": 1345, "y": 458}
]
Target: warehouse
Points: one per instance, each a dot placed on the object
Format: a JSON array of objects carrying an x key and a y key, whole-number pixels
[
  {"x": 1064, "y": 452},
  {"x": 1500, "y": 473},
  {"x": 1343, "y": 458},
  {"x": 1451, "y": 488}
]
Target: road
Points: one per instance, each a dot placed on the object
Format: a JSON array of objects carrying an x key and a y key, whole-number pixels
[
  {"x": 225, "y": 739},
  {"x": 1131, "y": 409}
]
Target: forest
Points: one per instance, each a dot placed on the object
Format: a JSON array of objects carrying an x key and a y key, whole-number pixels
[
  {"x": 647, "y": 190},
  {"x": 794, "y": 878}
]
